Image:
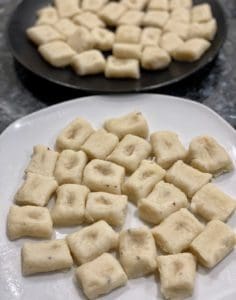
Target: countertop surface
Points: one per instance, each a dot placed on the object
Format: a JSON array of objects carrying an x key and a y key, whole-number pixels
[{"x": 22, "y": 92}]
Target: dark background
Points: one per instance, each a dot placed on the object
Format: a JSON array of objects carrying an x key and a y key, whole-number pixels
[{"x": 22, "y": 92}]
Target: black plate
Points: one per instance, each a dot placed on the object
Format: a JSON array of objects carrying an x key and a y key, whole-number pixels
[{"x": 26, "y": 53}]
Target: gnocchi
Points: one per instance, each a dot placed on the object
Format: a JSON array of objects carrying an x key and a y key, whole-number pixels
[
  {"x": 43, "y": 34},
  {"x": 155, "y": 58},
  {"x": 122, "y": 68}
]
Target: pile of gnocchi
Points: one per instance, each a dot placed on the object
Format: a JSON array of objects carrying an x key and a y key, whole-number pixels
[
  {"x": 93, "y": 174},
  {"x": 146, "y": 33}
]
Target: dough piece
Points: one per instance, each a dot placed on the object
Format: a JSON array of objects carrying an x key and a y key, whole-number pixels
[
  {"x": 57, "y": 53},
  {"x": 164, "y": 200},
  {"x": 132, "y": 123},
  {"x": 70, "y": 166},
  {"x": 201, "y": 13},
  {"x": 28, "y": 221},
  {"x": 100, "y": 144},
  {"x": 43, "y": 161},
  {"x": 122, "y": 50},
  {"x": 128, "y": 34},
  {"x": 89, "y": 62},
  {"x": 177, "y": 275},
  {"x": 45, "y": 257},
  {"x": 89, "y": 20},
  {"x": 158, "y": 5},
  {"x": 167, "y": 148},
  {"x": 43, "y": 34},
  {"x": 205, "y": 30},
  {"x": 81, "y": 40},
  {"x": 207, "y": 155},
  {"x": 177, "y": 231},
  {"x": 135, "y": 4},
  {"x": 66, "y": 27},
  {"x": 92, "y": 241},
  {"x": 155, "y": 18},
  {"x": 74, "y": 135},
  {"x": 68, "y": 8},
  {"x": 69, "y": 209},
  {"x": 104, "y": 176},
  {"x": 211, "y": 203},
  {"x": 47, "y": 16},
  {"x": 137, "y": 252},
  {"x": 131, "y": 17},
  {"x": 101, "y": 276},
  {"x": 112, "y": 12},
  {"x": 150, "y": 36},
  {"x": 177, "y": 27},
  {"x": 130, "y": 152},
  {"x": 181, "y": 15},
  {"x": 213, "y": 244},
  {"x": 108, "y": 207},
  {"x": 36, "y": 190},
  {"x": 103, "y": 39},
  {"x": 180, "y": 3},
  {"x": 191, "y": 50},
  {"x": 155, "y": 58},
  {"x": 170, "y": 41},
  {"x": 142, "y": 181},
  {"x": 93, "y": 5},
  {"x": 122, "y": 68},
  {"x": 186, "y": 178}
]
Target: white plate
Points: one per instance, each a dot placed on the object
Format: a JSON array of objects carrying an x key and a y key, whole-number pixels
[{"x": 187, "y": 118}]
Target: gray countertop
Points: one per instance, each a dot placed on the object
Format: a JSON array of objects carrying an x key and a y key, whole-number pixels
[{"x": 22, "y": 92}]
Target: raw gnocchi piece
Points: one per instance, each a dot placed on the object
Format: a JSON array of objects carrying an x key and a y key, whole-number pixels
[
  {"x": 93, "y": 5},
  {"x": 181, "y": 14},
  {"x": 155, "y": 18},
  {"x": 131, "y": 17},
  {"x": 43, "y": 161},
  {"x": 177, "y": 27},
  {"x": 89, "y": 62},
  {"x": 70, "y": 166},
  {"x": 186, "y": 178},
  {"x": 180, "y": 3},
  {"x": 142, "y": 181},
  {"x": 155, "y": 58},
  {"x": 122, "y": 50},
  {"x": 36, "y": 190},
  {"x": 213, "y": 244},
  {"x": 108, "y": 207},
  {"x": 47, "y": 16},
  {"x": 167, "y": 148},
  {"x": 101, "y": 276},
  {"x": 177, "y": 275},
  {"x": 89, "y": 20},
  {"x": 150, "y": 36},
  {"x": 92, "y": 241},
  {"x": 104, "y": 176},
  {"x": 137, "y": 252},
  {"x": 170, "y": 41},
  {"x": 207, "y": 155},
  {"x": 74, "y": 135},
  {"x": 128, "y": 34},
  {"x": 65, "y": 27},
  {"x": 164, "y": 200},
  {"x": 135, "y": 4},
  {"x": 211, "y": 203},
  {"x": 177, "y": 231},
  {"x": 100, "y": 144},
  {"x": 44, "y": 257},
  {"x": 132, "y": 123},
  {"x": 201, "y": 13},
  {"x": 130, "y": 152},
  {"x": 158, "y": 5},
  {"x": 29, "y": 221},
  {"x": 122, "y": 68},
  {"x": 69, "y": 208},
  {"x": 68, "y": 8},
  {"x": 81, "y": 40},
  {"x": 43, "y": 34},
  {"x": 57, "y": 53},
  {"x": 206, "y": 30},
  {"x": 103, "y": 39},
  {"x": 112, "y": 12},
  {"x": 191, "y": 50}
]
